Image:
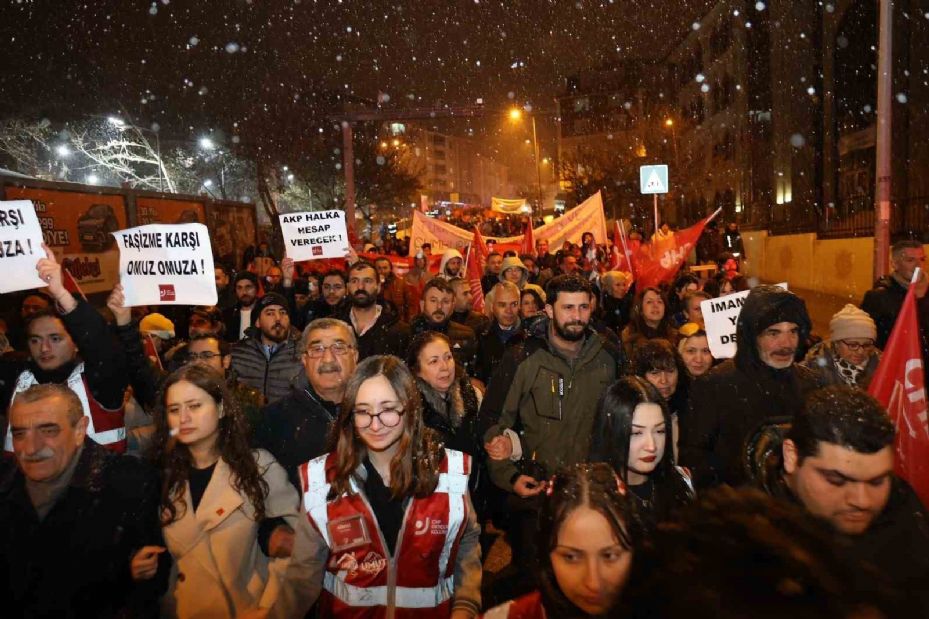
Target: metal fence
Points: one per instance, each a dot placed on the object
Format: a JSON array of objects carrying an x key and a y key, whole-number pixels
[{"x": 908, "y": 219}]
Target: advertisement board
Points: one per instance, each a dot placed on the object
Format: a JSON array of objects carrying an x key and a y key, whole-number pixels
[
  {"x": 232, "y": 230},
  {"x": 162, "y": 211}
]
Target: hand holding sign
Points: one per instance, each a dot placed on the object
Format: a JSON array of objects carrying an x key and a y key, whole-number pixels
[
  {"x": 314, "y": 235},
  {"x": 163, "y": 264}
]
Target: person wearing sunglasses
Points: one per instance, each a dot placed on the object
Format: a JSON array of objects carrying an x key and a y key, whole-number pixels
[
  {"x": 849, "y": 356},
  {"x": 387, "y": 526}
]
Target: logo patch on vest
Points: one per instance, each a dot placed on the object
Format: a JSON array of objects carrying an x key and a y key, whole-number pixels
[
  {"x": 373, "y": 564},
  {"x": 430, "y": 525}
]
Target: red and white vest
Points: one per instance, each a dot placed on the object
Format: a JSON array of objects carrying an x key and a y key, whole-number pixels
[
  {"x": 364, "y": 581},
  {"x": 105, "y": 427},
  {"x": 528, "y": 606}
]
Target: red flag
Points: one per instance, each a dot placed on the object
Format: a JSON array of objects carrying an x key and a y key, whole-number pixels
[
  {"x": 528, "y": 245},
  {"x": 621, "y": 258},
  {"x": 659, "y": 261},
  {"x": 477, "y": 258},
  {"x": 148, "y": 345},
  {"x": 70, "y": 284},
  {"x": 900, "y": 385}
]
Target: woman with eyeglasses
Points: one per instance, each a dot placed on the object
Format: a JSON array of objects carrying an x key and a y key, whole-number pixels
[
  {"x": 849, "y": 356},
  {"x": 694, "y": 349},
  {"x": 387, "y": 528},
  {"x": 631, "y": 431},
  {"x": 227, "y": 511},
  {"x": 588, "y": 531}
]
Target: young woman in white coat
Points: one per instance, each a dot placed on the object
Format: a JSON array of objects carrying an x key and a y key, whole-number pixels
[{"x": 228, "y": 511}]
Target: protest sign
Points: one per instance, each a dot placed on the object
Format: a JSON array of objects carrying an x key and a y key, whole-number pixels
[
  {"x": 312, "y": 235},
  {"x": 20, "y": 246},
  {"x": 164, "y": 264},
  {"x": 721, "y": 316}
]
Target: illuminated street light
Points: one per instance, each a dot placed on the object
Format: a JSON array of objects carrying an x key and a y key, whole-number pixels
[
  {"x": 62, "y": 150},
  {"x": 117, "y": 122},
  {"x": 92, "y": 179},
  {"x": 383, "y": 144},
  {"x": 516, "y": 113},
  {"x": 669, "y": 123},
  {"x": 396, "y": 142},
  {"x": 208, "y": 183},
  {"x": 290, "y": 177},
  {"x": 206, "y": 143}
]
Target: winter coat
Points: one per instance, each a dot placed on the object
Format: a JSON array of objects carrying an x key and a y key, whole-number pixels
[
  {"x": 446, "y": 256},
  {"x": 552, "y": 399},
  {"x": 294, "y": 429},
  {"x": 709, "y": 245},
  {"x": 821, "y": 358},
  {"x": 387, "y": 336},
  {"x": 528, "y": 606},
  {"x": 883, "y": 303},
  {"x": 477, "y": 322},
  {"x": 617, "y": 312},
  {"x": 732, "y": 243},
  {"x": 75, "y": 562},
  {"x": 396, "y": 292},
  {"x": 220, "y": 570},
  {"x": 233, "y": 321},
  {"x": 274, "y": 377},
  {"x": 491, "y": 348},
  {"x": 731, "y": 401},
  {"x": 894, "y": 549},
  {"x": 463, "y": 339},
  {"x": 454, "y": 416}
]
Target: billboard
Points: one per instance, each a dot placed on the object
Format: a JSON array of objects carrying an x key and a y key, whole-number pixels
[{"x": 233, "y": 228}]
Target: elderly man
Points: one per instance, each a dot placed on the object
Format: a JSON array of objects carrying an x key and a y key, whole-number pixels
[
  {"x": 503, "y": 333},
  {"x": 294, "y": 429},
  {"x": 762, "y": 383},
  {"x": 72, "y": 515},
  {"x": 884, "y": 300}
]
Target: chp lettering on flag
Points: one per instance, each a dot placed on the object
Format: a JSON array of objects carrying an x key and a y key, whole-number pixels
[
  {"x": 658, "y": 262},
  {"x": 900, "y": 385}
]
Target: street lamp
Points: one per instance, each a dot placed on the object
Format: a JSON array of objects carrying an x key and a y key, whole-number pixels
[
  {"x": 516, "y": 114},
  {"x": 62, "y": 150},
  {"x": 206, "y": 143}
]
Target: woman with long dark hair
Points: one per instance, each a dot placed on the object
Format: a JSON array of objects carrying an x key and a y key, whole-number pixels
[
  {"x": 650, "y": 320},
  {"x": 387, "y": 524},
  {"x": 227, "y": 510},
  {"x": 631, "y": 433},
  {"x": 660, "y": 364},
  {"x": 588, "y": 533}
]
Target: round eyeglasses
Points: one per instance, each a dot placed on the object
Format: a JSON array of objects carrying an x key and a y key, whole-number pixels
[{"x": 389, "y": 418}]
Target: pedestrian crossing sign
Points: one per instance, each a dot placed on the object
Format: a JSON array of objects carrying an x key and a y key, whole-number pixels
[{"x": 653, "y": 178}]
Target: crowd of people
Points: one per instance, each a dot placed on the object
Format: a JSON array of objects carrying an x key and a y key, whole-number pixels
[{"x": 353, "y": 443}]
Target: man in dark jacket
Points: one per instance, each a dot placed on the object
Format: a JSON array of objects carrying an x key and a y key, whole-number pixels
[
  {"x": 504, "y": 332},
  {"x": 732, "y": 241},
  {"x": 240, "y": 316},
  {"x": 72, "y": 516},
  {"x": 883, "y": 302},
  {"x": 463, "y": 313},
  {"x": 394, "y": 290},
  {"x": 491, "y": 271},
  {"x": 294, "y": 429},
  {"x": 837, "y": 461},
  {"x": 436, "y": 304},
  {"x": 269, "y": 361},
  {"x": 762, "y": 383},
  {"x": 377, "y": 328}
]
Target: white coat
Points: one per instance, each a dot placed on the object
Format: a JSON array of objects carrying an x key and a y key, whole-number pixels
[{"x": 219, "y": 569}]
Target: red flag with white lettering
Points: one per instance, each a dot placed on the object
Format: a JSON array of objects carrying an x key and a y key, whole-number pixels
[
  {"x": 527, "y": 246},
  {"x": 900, "y": 385},
  {"x": 660, "y": 260},
  {"x": 477, "y": 258}
]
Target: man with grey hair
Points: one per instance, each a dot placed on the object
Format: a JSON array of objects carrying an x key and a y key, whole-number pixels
[
  {"x": 294, "y": 428},
  {"x": 72, "y": 515},
  {"x": 884, "y": 300}
]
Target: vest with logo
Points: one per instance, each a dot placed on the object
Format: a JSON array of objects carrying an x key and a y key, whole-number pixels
[
  {"x": 105, "y": 427},
  {"x": 528, "y": 606},
  {"x": 362, "y": 579}
]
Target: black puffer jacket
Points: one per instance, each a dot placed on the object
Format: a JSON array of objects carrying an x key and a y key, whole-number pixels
[
  {"x": 387, "y": 336},
  {"x": 735, "y": 398},
  {"x": 883, "y": 303}
]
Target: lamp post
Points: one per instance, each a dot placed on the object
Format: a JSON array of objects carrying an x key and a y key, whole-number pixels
[{"x": 515, "y": 115}]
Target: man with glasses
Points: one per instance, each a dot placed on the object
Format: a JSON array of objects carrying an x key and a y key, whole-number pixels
[
  {"x": 849, "y": 356},
  {"x": 294, "y": 429}
]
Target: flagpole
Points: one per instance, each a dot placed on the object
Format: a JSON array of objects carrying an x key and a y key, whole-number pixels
[{"x": 655, "y": 196}]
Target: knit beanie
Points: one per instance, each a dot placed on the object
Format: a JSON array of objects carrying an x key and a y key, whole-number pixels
[
  {"x": 158, "y": 326},
  {"x": 245, "y": 275},
  {"x": 852, "y": 322}
]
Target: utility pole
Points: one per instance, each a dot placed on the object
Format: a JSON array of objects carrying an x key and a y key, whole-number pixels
[
  {"x": 348, "y": 162},
  {"x": 883, "y": 169},
  {"x": 538, "y": 171}
]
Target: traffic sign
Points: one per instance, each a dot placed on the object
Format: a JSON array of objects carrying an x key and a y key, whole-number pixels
[{"x": 653, "y": 178}]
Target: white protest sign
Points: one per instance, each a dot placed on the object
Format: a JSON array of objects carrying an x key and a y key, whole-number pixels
[
  {"x": 314, "y": 235},
  {"x": 164, "y": 264},
  {"x": 20, "y": 246},
  {"x": 721, "y": 316}
]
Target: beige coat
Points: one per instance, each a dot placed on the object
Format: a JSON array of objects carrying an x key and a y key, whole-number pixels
[{"x": 219, "y": 570}]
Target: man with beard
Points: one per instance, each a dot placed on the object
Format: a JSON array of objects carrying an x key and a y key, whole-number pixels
[
  {"x": 270, "y": 361},
  {"x": 72, "y": 515},
  {"x": 450, "y": 266},
  {"x": 394, "y": 290},
  {"x": 225, "y": 293},
  {"x": 491, "y": 271},
  {"x": 378, "y": 330},
  {"x": 504, "y": 332},
  {"x": 436, "y": 304},
  {"x": 761, "y": 385},
  {"x": 239, "y": 317},
  {"x": 463, "y": 314},
  {"x": 294, "y": 429},
  {"x": 72, "y": 347},
  {"x": 837, "y": 462},
  {"x": 547, "y": 387}
]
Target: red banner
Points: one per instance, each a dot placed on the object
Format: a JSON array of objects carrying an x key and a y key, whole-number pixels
[
  {"x": 528, "y": 243},
  {"x": 477, "y": 258},
  {"x": 900, "y": 385},
  {"x": 660, "y": 260}
]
